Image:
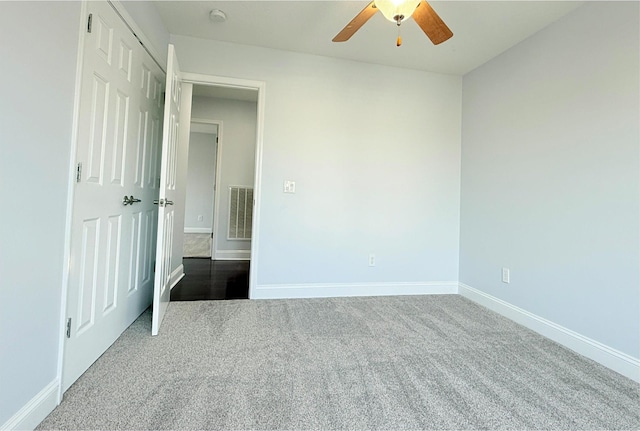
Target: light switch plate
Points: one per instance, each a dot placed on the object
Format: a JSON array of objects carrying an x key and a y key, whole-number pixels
[
  {"x": 506, "y": 275},
  {"x": 289, "y": 186}
]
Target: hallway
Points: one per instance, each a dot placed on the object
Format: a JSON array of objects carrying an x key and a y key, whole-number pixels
[{"x": 207, "y": 279}]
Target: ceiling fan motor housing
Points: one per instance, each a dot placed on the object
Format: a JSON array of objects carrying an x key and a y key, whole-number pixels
[{"x": 397, "y": 10}]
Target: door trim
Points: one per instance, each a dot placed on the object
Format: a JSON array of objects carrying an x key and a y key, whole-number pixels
[{"x": 223, "y": 81}]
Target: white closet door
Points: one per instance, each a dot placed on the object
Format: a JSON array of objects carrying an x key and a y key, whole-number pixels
[{"x": 112, "y": 244}]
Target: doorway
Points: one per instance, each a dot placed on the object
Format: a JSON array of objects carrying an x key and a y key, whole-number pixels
[
  {"x": 200, "y": 211},
  {"x": 178, "y": 115},
  {"x": 221, "y": 173},
  {"x": 221, "y": 179}
]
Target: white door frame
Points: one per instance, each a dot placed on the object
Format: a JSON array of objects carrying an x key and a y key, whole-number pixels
[
  {"x": 216, "y": 180},
  {"x": 223, "y": 81},
  {"x": 216, "y": 191}
]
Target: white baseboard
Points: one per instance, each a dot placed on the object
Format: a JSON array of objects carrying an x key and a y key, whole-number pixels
[
  {"x": 232, "y": 255},
  {"x": 197, "y": 230},
  {"x": 611, "y": 358},
  {"x": 34, "y": 412},
  {"x": 176, "y": 276},
  {"x": 319, "y": 290}
]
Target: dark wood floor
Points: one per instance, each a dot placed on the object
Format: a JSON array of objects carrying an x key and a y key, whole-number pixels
[{"x": 212, "y": 279}]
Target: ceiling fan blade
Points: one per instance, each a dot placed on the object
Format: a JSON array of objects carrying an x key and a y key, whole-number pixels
[
  {"x": 356, "y": 23},
  {"x": 431, "y": 23}
]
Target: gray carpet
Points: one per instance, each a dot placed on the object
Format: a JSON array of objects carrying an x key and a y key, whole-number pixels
[{"x": 427, "y": 362}]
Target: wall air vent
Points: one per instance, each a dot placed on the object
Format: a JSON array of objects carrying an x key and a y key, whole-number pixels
[{"x": 240, "y": 213}]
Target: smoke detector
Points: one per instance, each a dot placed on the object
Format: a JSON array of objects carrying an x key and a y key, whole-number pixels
[{"x": 216, "y": 15}]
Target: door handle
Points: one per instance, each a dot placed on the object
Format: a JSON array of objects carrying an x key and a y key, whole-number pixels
[
  {"x": 130, "y": 200},
  {"x": 162, "y": 202}
]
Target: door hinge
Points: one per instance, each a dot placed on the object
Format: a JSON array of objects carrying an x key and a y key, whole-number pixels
[
  {"x": 79, "y": 172},
  {"x": 69, "y": 327},
  {"x": 89, "y": 23},
  {"x": 211, "y": 235},
  {"x": 216, "y": 139}
]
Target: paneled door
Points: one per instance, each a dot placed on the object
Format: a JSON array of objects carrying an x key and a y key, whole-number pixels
[
  {"x": 168, "y": 180},
  {"x": 114, "y": 220}
]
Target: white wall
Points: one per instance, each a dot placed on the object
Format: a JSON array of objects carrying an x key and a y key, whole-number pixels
[
  {"x": 550, "y": 175},
  {"x": 237, "y": 158},
  {"x": 375, "y": 153},
  {"x": 200, "y": 180},
  {"x": 37, "y": 76}
]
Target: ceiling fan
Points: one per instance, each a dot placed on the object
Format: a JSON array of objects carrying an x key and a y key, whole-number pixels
[{"x": 399, "y": 11}]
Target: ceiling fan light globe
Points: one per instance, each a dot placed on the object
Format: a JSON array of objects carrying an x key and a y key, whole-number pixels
[{"x": 393, "y": 8}]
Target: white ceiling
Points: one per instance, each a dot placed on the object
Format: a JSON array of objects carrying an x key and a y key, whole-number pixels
[{"x": 482, "y": 29}]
